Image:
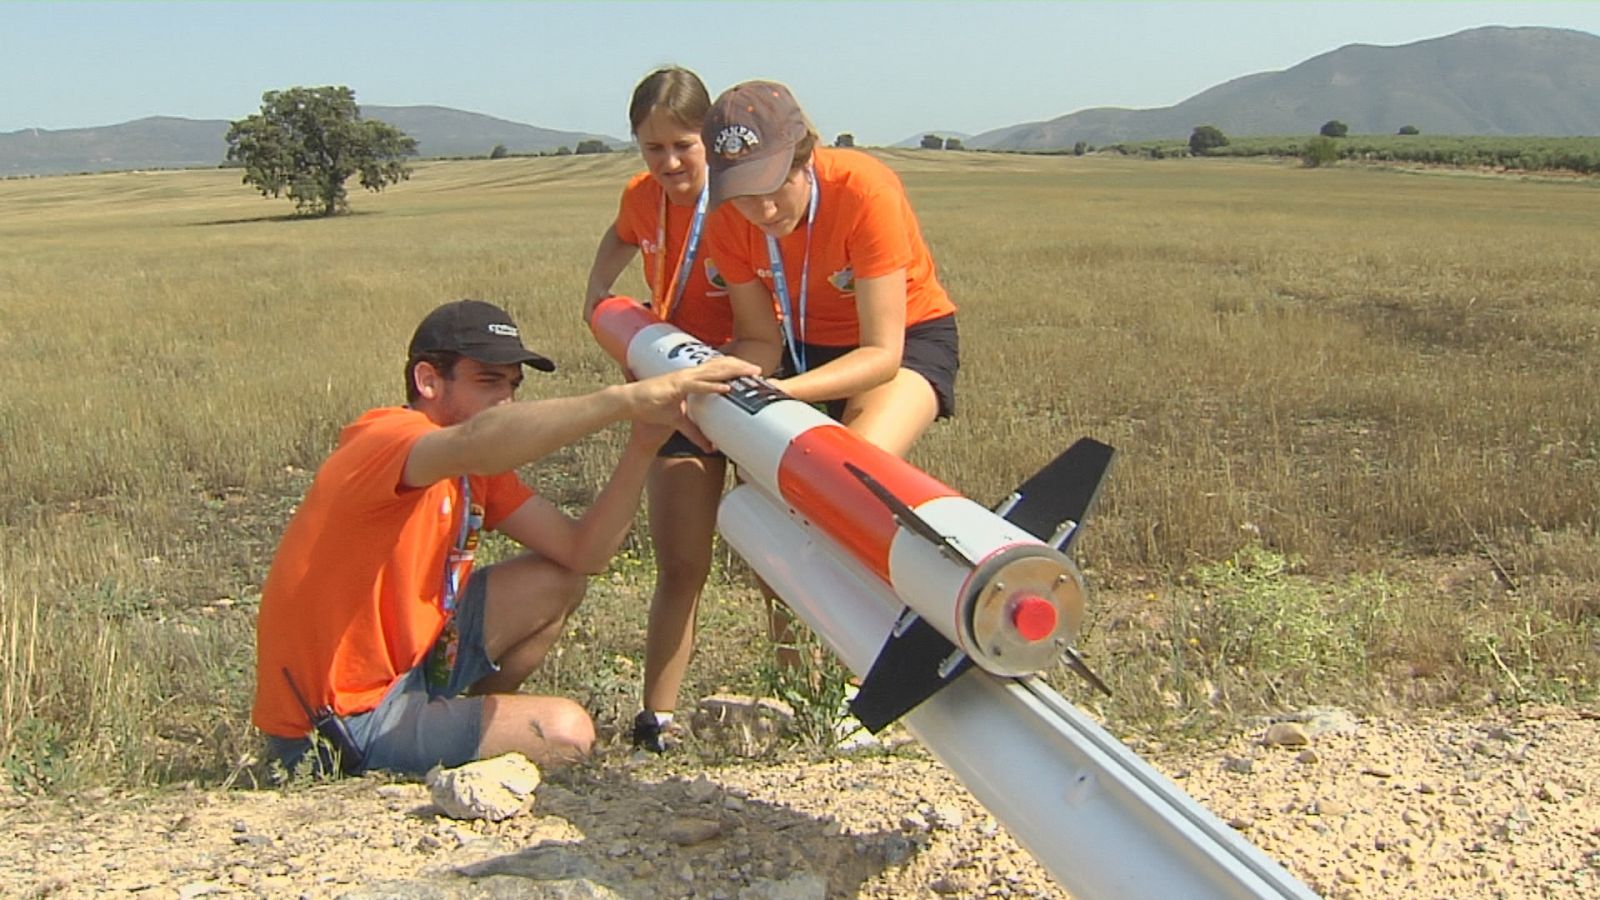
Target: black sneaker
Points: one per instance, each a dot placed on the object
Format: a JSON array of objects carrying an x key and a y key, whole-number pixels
[{"x": 648, "y": 732}]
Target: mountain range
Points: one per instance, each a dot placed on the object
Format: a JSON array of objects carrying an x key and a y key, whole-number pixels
[
  {"x": 1485, "y": 81},
  {"x": 165, "y": 142}
]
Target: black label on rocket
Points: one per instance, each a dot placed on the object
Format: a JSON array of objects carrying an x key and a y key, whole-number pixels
[{"x": 754, "y": 394}]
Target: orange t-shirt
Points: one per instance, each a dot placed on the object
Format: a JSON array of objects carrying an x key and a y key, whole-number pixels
[
  {"x": 703, "y": 309},
  {"x": 864, "y": 228},
  {"x": 354, "y": 598}
]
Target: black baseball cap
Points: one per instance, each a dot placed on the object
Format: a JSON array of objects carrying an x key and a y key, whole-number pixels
[{"x": 478, "y": 330}]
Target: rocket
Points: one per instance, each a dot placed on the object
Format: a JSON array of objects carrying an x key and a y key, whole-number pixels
[
  {"x": 949, "y": 609},
  {"x": 975, "y": 587}
]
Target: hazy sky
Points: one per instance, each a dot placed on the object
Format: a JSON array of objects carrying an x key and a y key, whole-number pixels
[{"x": 883, "y": 71}]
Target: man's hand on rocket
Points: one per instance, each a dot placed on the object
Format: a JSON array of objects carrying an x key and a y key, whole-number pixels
[{"x": 659, "y": 400}]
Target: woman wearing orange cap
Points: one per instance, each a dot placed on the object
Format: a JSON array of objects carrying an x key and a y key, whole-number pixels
[
  {"x": 662, "y": 215},
  {"x": 828, "y": 237}
]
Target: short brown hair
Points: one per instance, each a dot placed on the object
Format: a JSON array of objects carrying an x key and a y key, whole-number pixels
[
  {"x": 676, "y": 91},
  {"x": 443, "y": 361}
]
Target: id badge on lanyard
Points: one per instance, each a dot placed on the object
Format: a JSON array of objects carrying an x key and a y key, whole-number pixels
[
  {"x": 691, "y": 246},
  {"x": 794, "y": 325},
  {"x": 441, "y": 659}
]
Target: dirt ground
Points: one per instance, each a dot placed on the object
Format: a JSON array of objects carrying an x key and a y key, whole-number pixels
[{"x": 1492, "y": 806}]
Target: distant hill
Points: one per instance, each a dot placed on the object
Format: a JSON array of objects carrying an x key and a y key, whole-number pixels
[
  {"x": 164, "y": 142},
  {"x": 1484, "y": 81},
  {"x": 441, "y": 131},
  {"x": 159, "y": 142}
]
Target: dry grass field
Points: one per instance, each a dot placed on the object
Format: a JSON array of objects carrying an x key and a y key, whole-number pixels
[{"x": 1356, "y": 411}]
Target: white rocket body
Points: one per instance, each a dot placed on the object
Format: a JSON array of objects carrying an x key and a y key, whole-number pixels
[{"x": 1009, "y": 601}]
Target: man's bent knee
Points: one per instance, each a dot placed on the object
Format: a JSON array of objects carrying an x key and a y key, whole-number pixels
[{"x": 551, "y": 731}]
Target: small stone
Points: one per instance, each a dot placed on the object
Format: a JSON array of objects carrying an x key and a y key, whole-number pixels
[
  {"x": 1286, "y": 734},
  {"x": 690, "y": 831},
  {"x": 1550, "y": 792},
  {"x": 1307, "y": 757},
  {"x": 947, "y": 816},
  {"x": 1327, "y": 807},
  {"x": 701, "y": 790},
  {"x": 1238, "y": 765},
  {"x": 913, "y": 821},
  {"x": 1241, "y": 823},
  {"x": 1378, "y": 772}
]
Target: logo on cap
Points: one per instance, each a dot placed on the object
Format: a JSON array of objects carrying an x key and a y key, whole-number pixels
[
  {"x": 503, "y": 329},
  {"x": 735, "y": 141}
]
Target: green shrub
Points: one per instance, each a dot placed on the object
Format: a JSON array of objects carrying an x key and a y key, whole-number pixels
[{"x": 1320, "y": 151}]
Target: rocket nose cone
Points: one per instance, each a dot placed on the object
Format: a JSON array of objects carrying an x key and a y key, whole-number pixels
[{"x": 1034, "y": 618}]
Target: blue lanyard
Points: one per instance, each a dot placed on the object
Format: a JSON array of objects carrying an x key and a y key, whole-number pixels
[
  {"x": 669, "y": 304},
  {"x": 794, "y": 335},
  {"x": 458, "y": 563}
]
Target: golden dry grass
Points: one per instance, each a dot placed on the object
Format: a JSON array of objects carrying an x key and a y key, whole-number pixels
[{"x": 1384, "y": 381}]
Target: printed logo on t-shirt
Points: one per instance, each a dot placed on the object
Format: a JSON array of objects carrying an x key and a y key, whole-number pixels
[
  {"x": 844, "y": 280},
  {"x": 647, "y": 246},
  {"x": 715, "y": 277}
]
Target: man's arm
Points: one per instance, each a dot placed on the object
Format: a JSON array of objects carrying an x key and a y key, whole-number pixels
[
  {"x": 511, "y": 434},
  {"x": 587, "y": 543}
]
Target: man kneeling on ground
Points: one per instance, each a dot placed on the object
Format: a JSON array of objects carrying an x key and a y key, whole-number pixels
[{"x": 376, "y": 641}]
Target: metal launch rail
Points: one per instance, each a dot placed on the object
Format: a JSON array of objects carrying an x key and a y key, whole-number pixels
[{"x": 1101, "y": 820}]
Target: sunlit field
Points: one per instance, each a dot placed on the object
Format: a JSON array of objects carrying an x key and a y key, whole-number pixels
[{"x": 1356, "y": 413}]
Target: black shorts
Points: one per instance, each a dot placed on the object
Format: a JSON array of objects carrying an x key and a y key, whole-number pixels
[
  {"x": 932, "y": 350},
  {"x": 680, "y": 447}
]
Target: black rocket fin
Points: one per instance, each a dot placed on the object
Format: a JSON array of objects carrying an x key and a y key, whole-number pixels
[
  {"x": 914, "y": 664},
  {"x": 1053, "y": 501}
]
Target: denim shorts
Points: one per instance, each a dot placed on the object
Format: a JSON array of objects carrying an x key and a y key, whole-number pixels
[{"x": 415, "y": 727}]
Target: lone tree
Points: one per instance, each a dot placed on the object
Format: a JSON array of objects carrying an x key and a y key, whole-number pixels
[
  {"x": 1205, "y": 139},
  {"x": 932, "y": 142},
  {"x": 306, "y": 142},
  {"x": 1408, "y": 129},
  {"x": 953, "y": 144},
  {"x": 1333, "y": 128},
  {"x": 845, "y": 140}
]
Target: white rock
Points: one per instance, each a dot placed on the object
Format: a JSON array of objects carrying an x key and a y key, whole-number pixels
[{"x": 492, "y": 789}]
